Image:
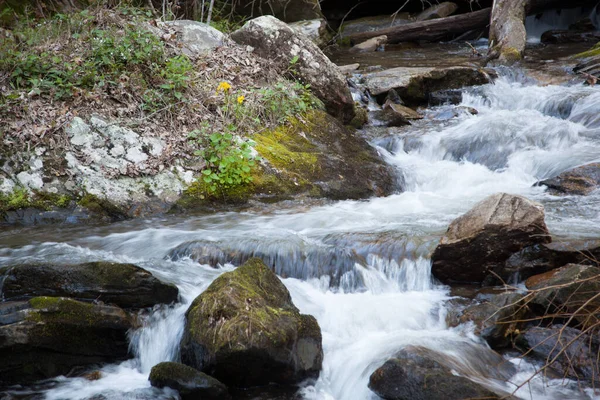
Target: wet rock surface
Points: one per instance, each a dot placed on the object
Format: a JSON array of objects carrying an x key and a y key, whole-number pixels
[
  {"x": 276, "y": 41},
  {"x": 245, "y": 331},
  {"x": 421, "y": 374},
  {"x": 571, "y": 291},
  {"x": 577, "y": 181},
  {"x": 540, "y": 258},
  {"x": 495, "y": 317},
  {"x": 189, "y": 382},
  {"x": 570, "y": 352},
  {"x": 45, "y": 337},
  {"x": 125, "y": 285},
  {"x": 477, "y": 244},
  {"x": 414, "y": 84}
]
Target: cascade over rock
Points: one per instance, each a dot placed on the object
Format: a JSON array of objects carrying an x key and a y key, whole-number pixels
[
  {"x": 245, "y": 331},
  {"x": 477, "y": 244},
  {"x": 418, "y": 373},
  {"x": 278, "y": 42}
]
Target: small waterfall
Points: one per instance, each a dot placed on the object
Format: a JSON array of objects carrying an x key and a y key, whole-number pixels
[{"x": 536, "y": 25}]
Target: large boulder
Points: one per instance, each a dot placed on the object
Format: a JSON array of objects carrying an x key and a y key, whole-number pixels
[
  {"x": 189, "y": 382},
  {"x": 45, "y": 337},
  {"x": 570, "y": 291},
  {"x": 477, "y": 244},
  {"x": 245, "y": 331},
  {"x": 125, "y": 285},
  {"x": 572, "y": 353},
  {"x": 417, "y": 373},
  {"x": 415, "y": 84},
  {"x": 580, "y": 181},
  {"x": 280, "y": 44}
]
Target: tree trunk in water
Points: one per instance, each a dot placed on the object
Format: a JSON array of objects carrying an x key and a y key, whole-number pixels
[
  {"x": 507, "y": 30},
  {"x": 432, "y": 30}
]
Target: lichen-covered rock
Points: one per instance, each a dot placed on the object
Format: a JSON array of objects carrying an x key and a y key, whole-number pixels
[
  {"x": 572, "y": 353},
  {"x": 189, "y": 382},
  {"x": 417, "y": 373},
  {"x": 278, "y": 42},
  {"x": 569, "y": 290},
  {"x": 245, "y": 331},
  {"x": 45, "y": 337},
  {"x": 314, "y": 29},
  {"x": 193, "y": 37},
  {"x": 580, "y": 181},
  {"x": 125, "y": 285},
  {"x": 414, "y": 84},
  {"x": 477, "y": 244},
  {"x": 507, "y": 30}
]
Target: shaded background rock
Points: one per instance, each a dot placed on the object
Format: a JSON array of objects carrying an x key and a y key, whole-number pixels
[
  {"x": 125, "y": 285},
  {"x": 45, "y": 337}
]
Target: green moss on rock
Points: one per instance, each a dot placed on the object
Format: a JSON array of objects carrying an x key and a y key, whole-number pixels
[
  {"x": 593, "y": 52},
  {"x": 245, "y": 330},
  {"x": 102, "y": 207}
]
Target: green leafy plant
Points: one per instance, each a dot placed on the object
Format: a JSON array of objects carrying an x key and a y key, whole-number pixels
[{"x": 229, "y": 159}]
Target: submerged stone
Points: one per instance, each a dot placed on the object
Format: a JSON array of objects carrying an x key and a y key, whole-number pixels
[{"x": 245, "y": 331}]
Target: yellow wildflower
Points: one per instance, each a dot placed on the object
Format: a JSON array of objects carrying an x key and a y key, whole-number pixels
[
  {"x": 223, "y": 86},
  {"x": 240, "y": 99}
]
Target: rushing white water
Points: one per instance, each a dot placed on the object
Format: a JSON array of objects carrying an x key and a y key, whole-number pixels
[
  {"x": 376, "y": 294},
  {"x": 536, "y": 25}
]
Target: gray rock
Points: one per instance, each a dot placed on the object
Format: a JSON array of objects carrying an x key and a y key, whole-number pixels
[
  {"x": 369, "y": 45},
  {"x": 414, "y": 84},
  {"x": 417, "y": 373},
  {"x": 189, "y": 382},
  {"x": 375, "y": 23},
  {"x": 495, "y": 317},
  {"x": 477, "y": 244},
  {"x": 540, "y": 258},
  {"x": 574, "y": 352},
  {"x": 245, "y": 331},
  {"x": 196, "y": 38},
  {"x": 441, "y": 10},
  {"x": 125, "y": 285},
  {"x": 278, "y": 42},
  {"x": 46, "y": 337},
  {"x": 314, "y": 29},
  {"x": 568, "y": 291},
  {"x": 579, "y": 181}
]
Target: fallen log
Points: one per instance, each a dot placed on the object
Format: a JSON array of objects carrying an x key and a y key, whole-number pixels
[{"x": 432, "y": 30}]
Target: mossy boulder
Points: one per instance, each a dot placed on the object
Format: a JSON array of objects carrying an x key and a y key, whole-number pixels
[
  {"x": 313, "y": 155},
  {"x": 189, "y": 382},
  {"x": 125, "y": 285},
  {"x": 46, "y": 336},
  {"x": 245, "y": 331}
]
